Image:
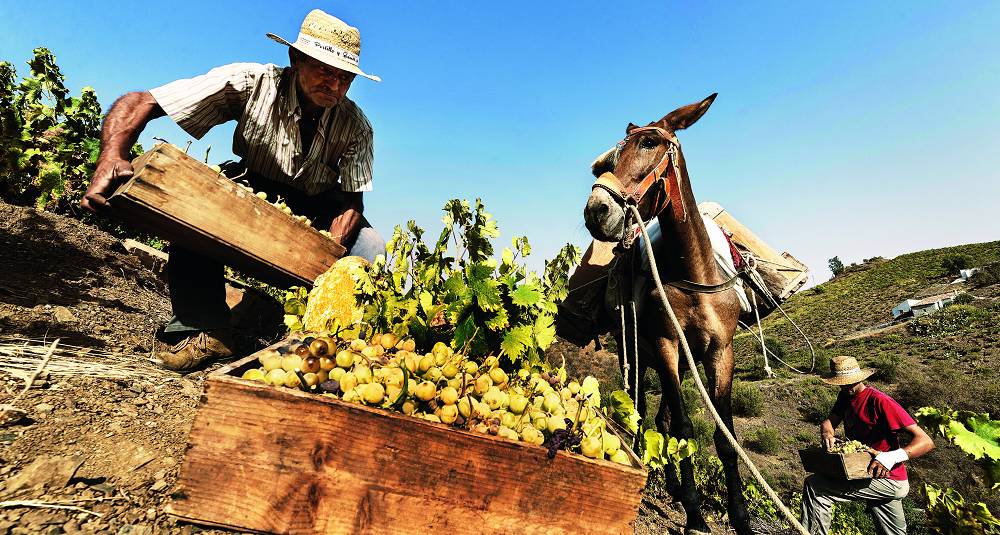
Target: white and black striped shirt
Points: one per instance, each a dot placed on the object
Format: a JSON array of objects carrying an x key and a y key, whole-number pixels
[{"x": 264, "y": 101}]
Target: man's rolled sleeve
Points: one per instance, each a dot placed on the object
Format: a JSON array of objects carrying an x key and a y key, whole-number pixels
[
  {"x": 197, "y": 104},
  {"x": 356, "y": 163}
]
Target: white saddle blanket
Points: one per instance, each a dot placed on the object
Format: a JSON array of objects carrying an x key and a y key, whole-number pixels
[{"x": 720, "y": 246}]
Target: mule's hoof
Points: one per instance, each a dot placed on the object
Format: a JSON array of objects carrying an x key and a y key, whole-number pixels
[{"x": 689, "y": 531}]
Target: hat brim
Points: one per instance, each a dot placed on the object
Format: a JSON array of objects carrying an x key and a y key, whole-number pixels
[
  {"x": 841, "y": 380},
  {"x": 325, "y": 57}
]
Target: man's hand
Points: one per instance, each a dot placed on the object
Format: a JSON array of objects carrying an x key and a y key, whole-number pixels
[
  {"x": 827, "y": 439},
  {"x": 877, "y": 470},
  {"x": 826, "y": 433},
  {"x": 110, "y": 173}
]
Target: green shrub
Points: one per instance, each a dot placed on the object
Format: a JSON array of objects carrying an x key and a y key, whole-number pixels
[
  {"x": 651, "y": 382},
  {"x": 806, "y": 437},
  {"x": 964, "y": 298},
  {"x": 851, "y": 518},
  {"x": 952, "y": 320},
  {"x": 988, "y": 275},
  {"x": 747, "y": 400},
  {"x": 816, "y": 401},
  {"x": 704, "y": 430},
  {"x": 766, "y": 440},
  {"x": 887, "y": 367},
  {"x": 954, "y": 263},
  {"x": 691, "y": 396}
]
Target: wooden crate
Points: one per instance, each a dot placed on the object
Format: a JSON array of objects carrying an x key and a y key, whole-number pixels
[
  {"x": 836, "y": 465},
  {"x": 182, "y": 200},
  {"x": 795, "y": 273},
  {"x": 280, "y": 460}
]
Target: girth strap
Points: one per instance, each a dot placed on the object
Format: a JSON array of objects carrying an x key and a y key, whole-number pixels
[{"x": 695, "y": 287}]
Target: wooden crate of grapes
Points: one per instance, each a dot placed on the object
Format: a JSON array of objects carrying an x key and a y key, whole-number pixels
[
  {"x": 282, "y": 460},
  {"x": 184, "y": 201},
  {"x": 852, "y": 465}
]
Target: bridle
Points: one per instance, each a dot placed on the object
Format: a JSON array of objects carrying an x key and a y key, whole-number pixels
[{"x": 666, "y": 174}]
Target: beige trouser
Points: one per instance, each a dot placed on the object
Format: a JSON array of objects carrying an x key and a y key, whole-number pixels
[{"x": 884, "y": 497}]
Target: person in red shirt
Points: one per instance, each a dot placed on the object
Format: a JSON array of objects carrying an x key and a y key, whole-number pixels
[{"x": 872, "y": 418}]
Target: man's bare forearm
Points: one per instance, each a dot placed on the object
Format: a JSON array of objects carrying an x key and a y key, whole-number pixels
[
  {"x": 126, "y": 119},
  {"x": 346, "y": 224}
]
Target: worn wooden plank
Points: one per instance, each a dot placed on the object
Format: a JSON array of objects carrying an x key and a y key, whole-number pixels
[
  {"x": 281, "y": 460},
  {"x": 184, "y": 201}
]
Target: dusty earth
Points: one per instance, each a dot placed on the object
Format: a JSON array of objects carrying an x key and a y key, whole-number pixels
[{"x": 109, "y": 449}]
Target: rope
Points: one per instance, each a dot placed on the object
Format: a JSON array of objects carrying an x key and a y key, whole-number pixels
[
  {"x": 760, "y": 283},
  {"x": 794, "y": 522},
  {"x": 812, "y": 367},
  {"x": 763, "y": 347}
]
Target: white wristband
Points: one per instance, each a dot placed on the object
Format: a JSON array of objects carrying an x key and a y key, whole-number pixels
[{"x": 888, "y": 459}]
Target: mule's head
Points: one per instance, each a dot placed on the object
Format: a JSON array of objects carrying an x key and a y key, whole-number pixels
[{"x": 641, "y": 152}]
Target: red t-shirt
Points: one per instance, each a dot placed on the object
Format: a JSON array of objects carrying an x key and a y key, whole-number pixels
[{"x": 871, "y": 417}]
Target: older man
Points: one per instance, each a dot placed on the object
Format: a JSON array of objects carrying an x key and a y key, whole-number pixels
[
  {"x": 299, "y": 137},
  {"x": 872, "y": 418}
]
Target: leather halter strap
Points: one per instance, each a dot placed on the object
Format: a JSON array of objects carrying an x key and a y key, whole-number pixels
[{"x": 666, "y": 172}]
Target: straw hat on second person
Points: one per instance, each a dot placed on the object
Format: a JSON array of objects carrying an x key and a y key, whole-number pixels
[
  {"x": 845, "y": 370},
  {"x": 330, "y": 40}
]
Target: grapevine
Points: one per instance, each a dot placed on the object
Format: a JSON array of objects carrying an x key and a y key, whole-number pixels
[
  {"x": 974, "y": 433},
  {"x": 453, "y": 291}
]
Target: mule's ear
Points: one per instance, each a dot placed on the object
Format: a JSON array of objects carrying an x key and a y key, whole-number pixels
[
  {"x": 630, "y": 128},
  {"x": 686, "y": 116}
]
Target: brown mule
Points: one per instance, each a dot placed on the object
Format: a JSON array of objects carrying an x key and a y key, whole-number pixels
[{"x": 649, "y": 171}]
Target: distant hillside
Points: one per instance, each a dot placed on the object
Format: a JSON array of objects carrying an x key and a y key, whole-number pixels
[
  {"x": 950, "y": 358},
  {"x": 962, "y": 342},
  {"x": 864, "y": 295}
]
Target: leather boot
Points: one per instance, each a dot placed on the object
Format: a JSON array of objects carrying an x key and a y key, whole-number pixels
[{"x": 192, "y": 351}]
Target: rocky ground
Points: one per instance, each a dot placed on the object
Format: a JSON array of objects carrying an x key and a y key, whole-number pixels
[{"x": 94, "y": 454}]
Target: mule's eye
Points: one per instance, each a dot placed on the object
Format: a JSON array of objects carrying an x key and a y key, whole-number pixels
[{"x": 648, "y": 143}]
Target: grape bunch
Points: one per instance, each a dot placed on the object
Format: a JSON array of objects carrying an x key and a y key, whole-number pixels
[
  {"x": 448, "y": 387},
  {"x": 848, "y": 446}
]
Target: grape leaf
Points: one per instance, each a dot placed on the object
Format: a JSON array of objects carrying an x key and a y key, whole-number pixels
[
  {"x": 652, "y": 449},
  {"x": 515, "y": 341},
  {"x": 499, "y": 321},
  {"x": 484, "y": 286},
  {"x": 971, "y": 442},
  {"x": 293, "y": 322},
  {"x": 545, "y": 331},
  {"x": 526, "y": 295},
  {"x": 622, "y": 410}
]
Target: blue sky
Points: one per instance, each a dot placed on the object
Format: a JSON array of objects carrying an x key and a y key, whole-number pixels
[{"x": 841, "y": 128}]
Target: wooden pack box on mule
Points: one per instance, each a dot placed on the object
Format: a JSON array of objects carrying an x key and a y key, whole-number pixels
[
  {"x": 783, "y": 272},
  {"x": 184, "y": 201},
  {"x": 271, "y": 459},
  {"x": 836, "y": 465}
]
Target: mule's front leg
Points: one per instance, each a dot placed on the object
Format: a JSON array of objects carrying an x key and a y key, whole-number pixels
[
  {"x": 680, "y": 427},
  {"x": 719, "y": 372}
]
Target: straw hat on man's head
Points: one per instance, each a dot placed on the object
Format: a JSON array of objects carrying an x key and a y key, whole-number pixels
[
  {"x": 328, "y": 39},
  {"x": 845, "y": 370}
]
